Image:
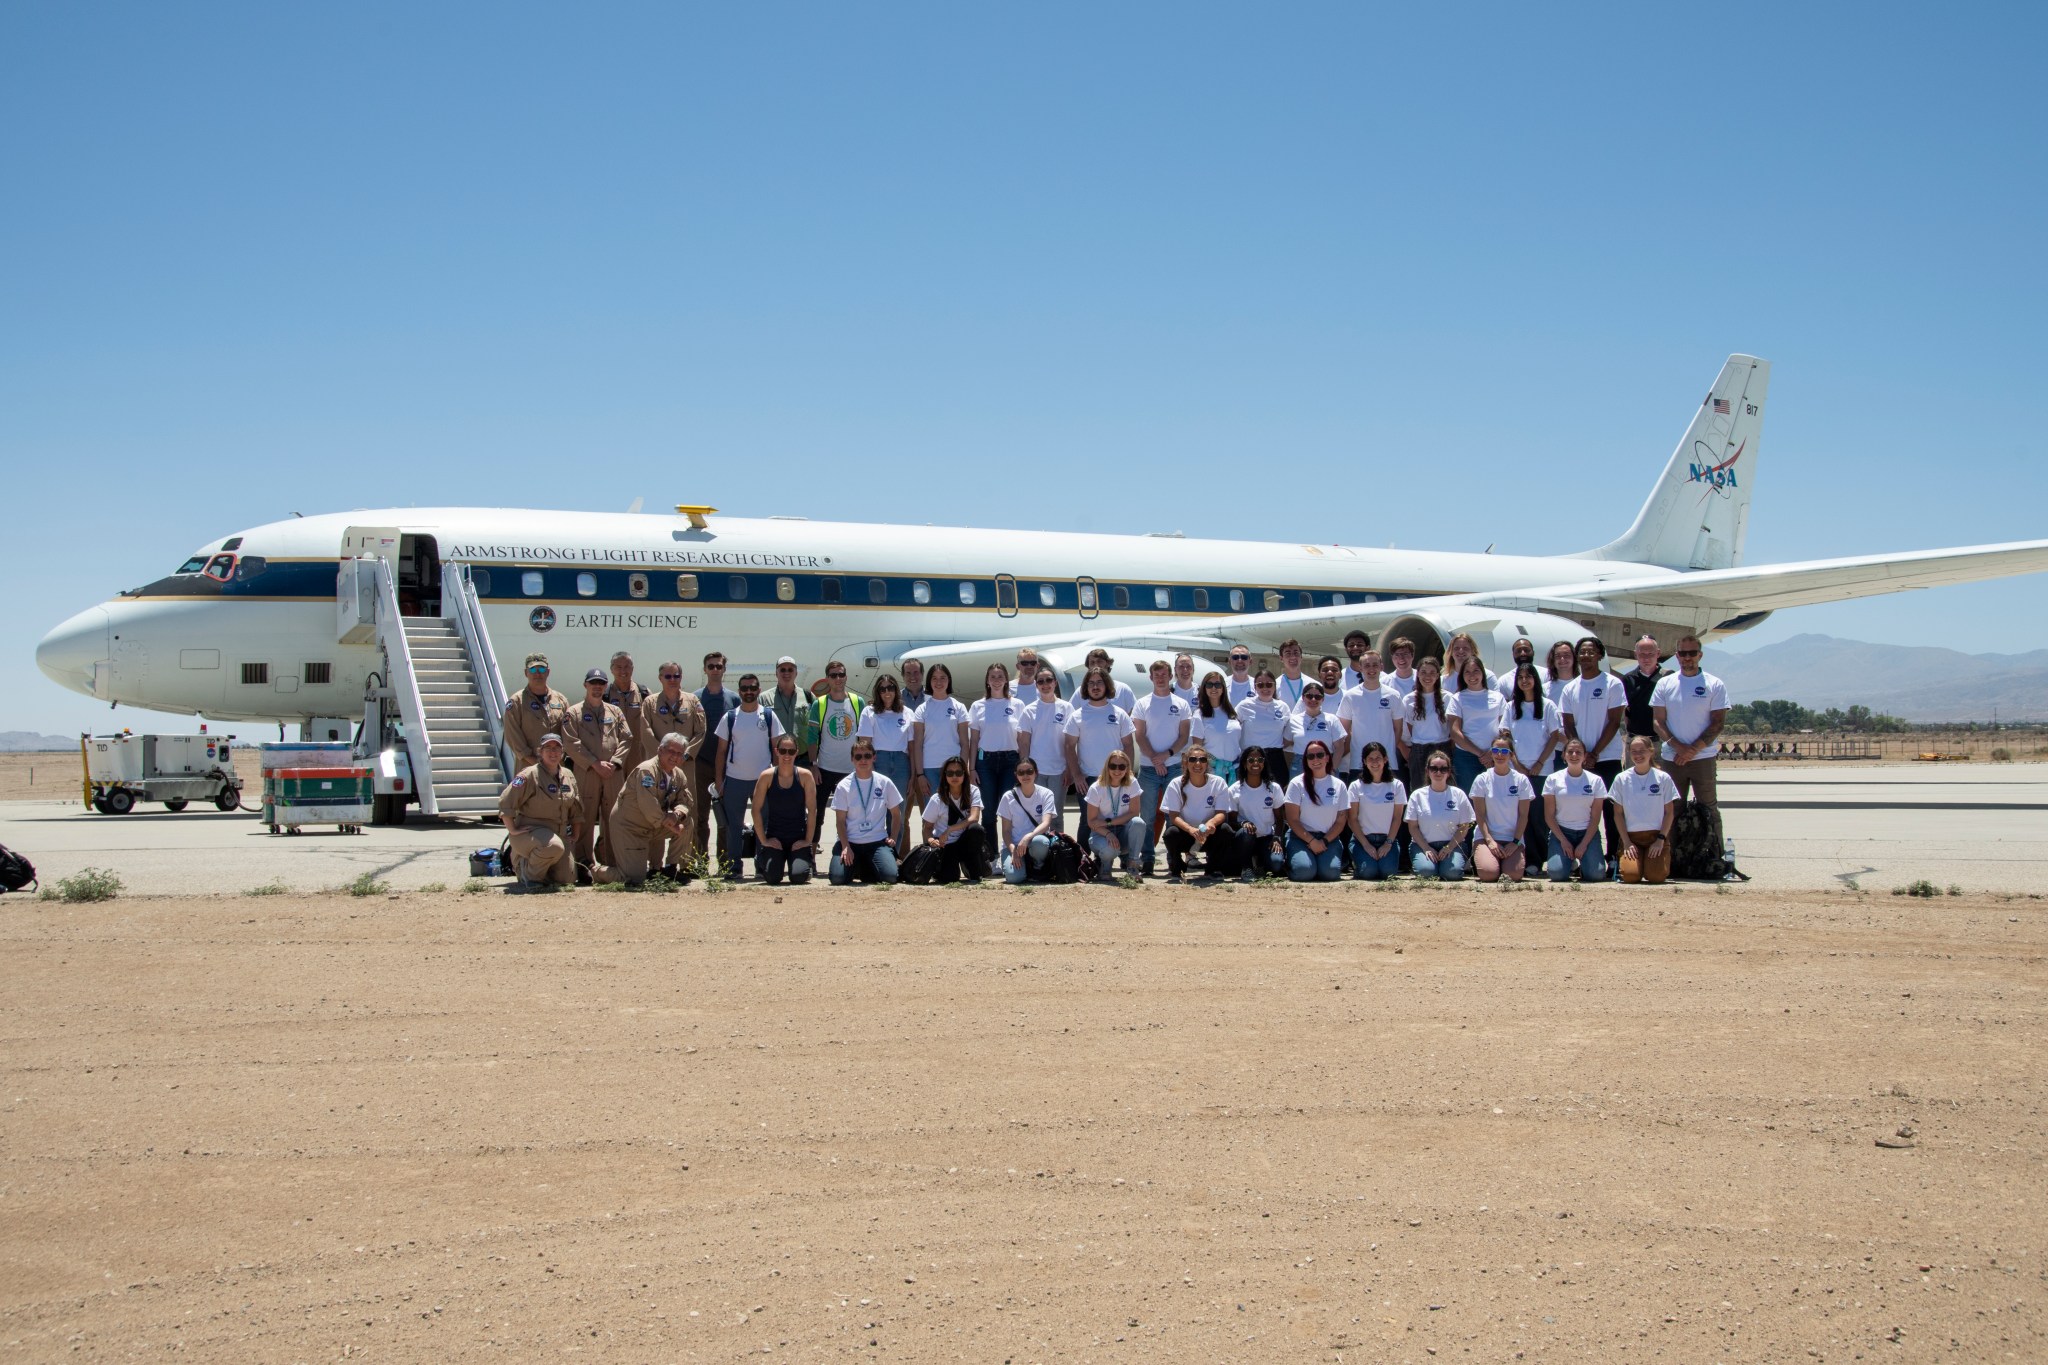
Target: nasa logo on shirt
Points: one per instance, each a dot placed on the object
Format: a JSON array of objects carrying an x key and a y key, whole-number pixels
[
  {"x": 1385, "y": 704},
  {"x": 1586, "y": 790},
  {"x": 1699, "y": 690},
  {"x": 1599, "y": 692},
  {"x": 1387, "y": 796},
  {"x": 1654, "y": 788}
]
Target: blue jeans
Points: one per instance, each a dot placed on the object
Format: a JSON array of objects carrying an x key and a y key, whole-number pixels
[
  {"x": 1016, "y": 873},
  {"x": 1592, "y": 867},
  {"x": 735, "y": 797},
  {"x": 1304, "y": 866},
  {"x": 1153, "y": 785},
  {"x": 996, "y": 770},
  {"x": 1449, "y": 868},
  {"x": 871, "y": 863},
  {"x": 1133, "y": 836},
  {"x": 1370, "y": 866},
  {"x": 1465, "y": 769}
]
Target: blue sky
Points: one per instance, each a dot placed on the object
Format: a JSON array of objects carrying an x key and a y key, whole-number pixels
[{"x": 950, "y": 264}]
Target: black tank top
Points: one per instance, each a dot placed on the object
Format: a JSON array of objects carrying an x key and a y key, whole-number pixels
[{"x": 783, "y": 809}]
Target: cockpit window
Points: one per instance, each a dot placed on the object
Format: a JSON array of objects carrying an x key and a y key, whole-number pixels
[
  {"x": 221, "y": 567},
  {"x": 193, "y": 565},
  {"x": 249, "y": 567}
]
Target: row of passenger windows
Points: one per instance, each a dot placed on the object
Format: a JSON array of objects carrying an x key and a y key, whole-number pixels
[{"x": 1085, "y": 593}]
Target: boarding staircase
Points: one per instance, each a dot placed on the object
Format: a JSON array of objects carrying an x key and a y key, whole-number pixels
[{"x": 464, "y": 774}]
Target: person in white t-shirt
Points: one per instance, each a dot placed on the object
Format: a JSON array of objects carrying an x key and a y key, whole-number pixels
[
  {"x": 1425, "y": 722},
  {"x": 1262, "y": 723},
  {"x": 1501, "y": 797},
  {"x": 1161, "y": 721},
  {"x": 1439, "y": 817},
  {"x": 1379, "y": 802},
  {"x": 952, "y": 826},
  {"x": 1258, "y": 801},
  {"x": 1401, "y": 655},
  {"x": 1462, "y": 647},
  {"x": 1024, "y": 686},
  {"x": 992, "y": 739},
  {"x": 1560, "y": 666},
  {"x": 1239, "y": 684},
  {"x": 1476, "y": 709},
  {"x": 1184, "y": 677},
  {"x": 1119, "y": 692},
  {"x": 1646, "y": 797},
  {"x": 890, "y": 726},
  {"x": 1371, "y": 712},
  {"x": 1524, "y": 652},
  {"x": 1316, "y": 812},
  {"x": 1030, "y": 817},
  {"x": 1115, "y": 807},
  {"x": 1572, "y": 798},
  {"x": 1538, "y": 730},
  {"x": 1096, "y": 728},
  {"x": 1355, "y": 649},
  {"x": 1197, "y": 808},
  {"x": 870, "y": 811},
  {"x": 745, "y": 743},
  {"x": 1042, "y": 738},
  {"x": 1690, "y": 706},
  {"x": 1287, "y": 687},
  {"x": 1594, "y": 707},
  {"x": 1214, "y": 726},
  {"x": 941, "y": 731},
  {"x": 1317, "y": 719}
]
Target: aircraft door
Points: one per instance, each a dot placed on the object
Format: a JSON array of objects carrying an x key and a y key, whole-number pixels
[
  {"x": 1087, "y": 597},
  {"x": 419, "y": 576},
  {"x": 1006, "y": 595}
]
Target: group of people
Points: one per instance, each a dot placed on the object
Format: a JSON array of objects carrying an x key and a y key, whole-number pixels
[{"x": 1377, "y": 763}]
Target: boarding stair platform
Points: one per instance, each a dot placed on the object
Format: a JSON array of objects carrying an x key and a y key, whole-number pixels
[{"x": 464, "y": 771}]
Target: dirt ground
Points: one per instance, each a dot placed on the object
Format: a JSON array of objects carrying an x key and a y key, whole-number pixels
[
  {"x": 40, "y": 777},
  {"x": 1245, "y": 1124}
]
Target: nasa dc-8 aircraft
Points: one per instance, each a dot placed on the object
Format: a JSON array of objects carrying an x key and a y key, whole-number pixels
[{"x": 246, "y": 629}]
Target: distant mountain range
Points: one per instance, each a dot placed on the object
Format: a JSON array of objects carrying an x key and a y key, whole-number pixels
[
  {"x": 1916, "y": 682},
  {"x": 26, "y": 742}
]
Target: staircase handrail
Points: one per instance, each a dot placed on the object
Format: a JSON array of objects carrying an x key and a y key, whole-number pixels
[
  {"x": 404, "y": 682},
  {"x": 459, "y": 601}
]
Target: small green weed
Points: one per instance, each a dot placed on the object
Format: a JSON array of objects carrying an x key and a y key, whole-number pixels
[
  {"x": 90, "y": 884},
  {"x": 1923, "y": 888},
  {"x": 1127, "y": 881},
  {"x": 1954, "y": 890},
  {"x": 474, "y": 886},
  {"x": 367, "y": 885},
  {"x": 432, "y": 887},
  {"x": 268, "y": 889}
]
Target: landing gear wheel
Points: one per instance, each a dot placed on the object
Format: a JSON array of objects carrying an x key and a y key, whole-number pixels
[
  {"x": 175, "y": 806},
  {"x": 231, "y": 799},
  {"x": 120, "y": 801}
]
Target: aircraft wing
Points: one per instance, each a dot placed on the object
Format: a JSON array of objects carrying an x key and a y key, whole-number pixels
[{"x": 1705, "y": 596}]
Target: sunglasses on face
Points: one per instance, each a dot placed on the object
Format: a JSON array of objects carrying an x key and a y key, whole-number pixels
[
  {"x": 839, "y": 674},
  {"x": 1438, "y": 768},
  {"x": 749, "y": 689},
  {"x": 785, "y": 668},
  {"x": 536, "y": 672},
  {"x": 1240, "y": 658},
  {"x": 1119, "y": 768},
  {"x": 671, "y": 677},
  {"x": 1688, "y": 654},
  {"x": 714, "y": 668},
  {"x": 1496, "y": 749}
]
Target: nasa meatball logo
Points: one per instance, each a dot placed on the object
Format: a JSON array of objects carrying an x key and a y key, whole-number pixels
[{"x": 542, "y": 619}]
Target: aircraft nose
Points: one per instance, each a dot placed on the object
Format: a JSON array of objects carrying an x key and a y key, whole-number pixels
[{"x": 68, "y": 655}]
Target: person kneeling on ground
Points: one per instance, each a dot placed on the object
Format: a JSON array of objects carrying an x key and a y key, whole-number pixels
[
  {"x": 1439, "y": 816},
  {"x": 1571, "y": 805},
  {"x": 1197, "y": 807},
  {"x": 1115, "y": 822},
  {"x": 785, "y": 813},
  {"x": 1315, "y": 813},
  {"x": 1644, "y": 796},
  {"x": 1027, "y": 816},
  {"x": 1378, "y": 800},
  {"x": 652, "y": 810},
  {"x": 870, "y": 813},
  {"x": 539, "y": 810},
  {"x": 952, "y": 826},
  {"x": 1501, "y": 796}
]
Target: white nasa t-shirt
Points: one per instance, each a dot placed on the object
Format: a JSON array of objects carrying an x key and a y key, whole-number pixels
[
  {"x": 1502, "y": 796},
  {"x": 935, "y": 815},
  {"x": 1263, "y": 724},
  {"x": 1587, "y": 701},
  {"x": 1024, "y": 812},
  {"x": 1303, "y": 728},
  {"x": 1220, "y": 734},
  {"x": 1326, "y": 812},
  {"x": 1642, "y": 798},
  {"x": 1163, "y": 717},
  {"x": 890, "y": 730},
  {"x": 1689, "y": 704},
  {"x": 1239, "y": 689},
  {"x": 1114, "y": 801},
  {"x": 1098, "y": 731},
  {"x": 1437, "y": 813},
  {"x": 1575, "y": 796},
  {"x": 1046, "y": 723},
  {"x": 864, "y": 805},
  {"x": 1479, "y": 712},
  {"x": 942, "y": 720},
  {"x": 1431, "y": 727},
  {"x": 1372, "y": 716},
  {"x": 996, "y": 722},
  {"x": 1381, "y": 806},
  {"x": 1196, "y": 804},
  {"x": 1258, "y": 806},
  {"x": 1532, "y": 731}
]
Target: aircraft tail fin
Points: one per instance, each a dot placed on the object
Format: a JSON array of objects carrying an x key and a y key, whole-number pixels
[{"x": 1698, "y": 512}]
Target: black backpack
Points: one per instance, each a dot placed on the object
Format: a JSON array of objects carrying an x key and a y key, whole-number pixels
[
  {"x": 16, "y": 872},
  {"x": 1062, "y": 866},
  {"x": 918, "y": 868},
  {"x": 1697, "y": 852}
]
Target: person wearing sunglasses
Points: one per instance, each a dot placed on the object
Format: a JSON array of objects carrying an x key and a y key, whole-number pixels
[
  {"x": 535, "y": 710},
  {"x": 889, "y": 726},
  {"x": 1474, "y": 712},
  {"x": 1315, "y": 811},
  {"x": 1439, "y": 817},
  {"x": 829, "y": 726},
  {"x": 1160, "y": 722},
  {"x": 1097, "y": 727},
  {"x": 1538, "y": 731},
  {"x": 785, "y": 814},
  {"x": 1378, "y": 803},
  {"x": 672, "y": 711},
  {"x": 745, "y": 741},
  {"x": 1501, "y": 796},
  {"x": 1262, "y": 722},
  {"x": 1197, "y": 807},
  {"x": 1042, "y": 738},
  {"x": 871, "y": 822},
  {"x": 1572, "y": 799},
  {"x": 714, "y": 700},
  {"x": 1115, "y": 807},
  {"x": 1215, "y": 726},
  {"x": 1647, "y": 799},
  {"x": 1425, "y": 721},
  {"x": 952, "y": 826},
  {"x": 1258, "y": 800},
  {"x": 1690, "y": 707},
  {"x": 992, "y": 740},
  {"x": 1238, "y": 686},
  {"x": 1029, "y": 816}
]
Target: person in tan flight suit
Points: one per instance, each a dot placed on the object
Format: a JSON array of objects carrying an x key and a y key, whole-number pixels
[
  {"x": 540, "y": 810},
  {"x": 533, "y": 711},
  {"x": 672, "y": 711},
  {"x": 628, "y": 696},
  {"x": 599, "y": 746},
  {"x": 653, "y": 811}
]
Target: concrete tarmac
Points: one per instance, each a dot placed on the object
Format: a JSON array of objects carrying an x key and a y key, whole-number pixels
[{"x": 1980, "y": 827}]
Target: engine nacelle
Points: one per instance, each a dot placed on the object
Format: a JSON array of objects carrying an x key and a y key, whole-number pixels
[{"x": 1494, "y": 631}]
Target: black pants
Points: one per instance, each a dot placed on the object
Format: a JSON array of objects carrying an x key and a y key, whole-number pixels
[
  {"x": 1220, "y": 859},
  {"x": 773, "y": 864},
  {"x": 1608, "y": 771},
  {"x": 828, "y": 782},
  {"x": 1257, "y": 852},
  {"x": 965, "y": 859},
  {"x": 1276, "y": 766}
]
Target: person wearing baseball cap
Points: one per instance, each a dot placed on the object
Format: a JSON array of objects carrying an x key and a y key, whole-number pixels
[
  {"x": 534, "y": 710},
  {"x": 539, "y": 809},
  {"x": 600, "y": 745},
  {"x": 790, "y": 703}
]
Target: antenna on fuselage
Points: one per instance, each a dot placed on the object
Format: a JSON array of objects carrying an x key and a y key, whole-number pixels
[{"x": 697, "y": 513}]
